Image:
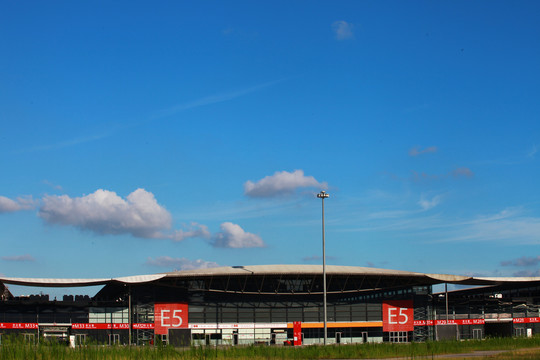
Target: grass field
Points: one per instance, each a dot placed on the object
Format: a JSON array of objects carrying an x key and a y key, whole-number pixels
[{"x": 516, "y": 348}]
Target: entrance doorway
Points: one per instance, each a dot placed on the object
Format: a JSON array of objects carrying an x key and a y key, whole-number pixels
[
  {"x": 364, "y": 337},
  {"x": 498, "y": 329},
  {"x": 114, "y": 339}
]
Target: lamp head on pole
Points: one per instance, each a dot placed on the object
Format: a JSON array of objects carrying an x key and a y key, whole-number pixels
[{"x": 322, "y": 195}]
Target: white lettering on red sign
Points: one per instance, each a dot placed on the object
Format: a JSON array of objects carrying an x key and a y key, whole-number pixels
[
  {"x": 170, "y": 315},
  {"x": 454, "y": 322},
  {"x": 398, "y": 315},
  {"x": 395, "y": 318},
  {"x": 143, "y": 326},
  {"x": 166, "y": 320},
  {"x": 19, "y": 326}
]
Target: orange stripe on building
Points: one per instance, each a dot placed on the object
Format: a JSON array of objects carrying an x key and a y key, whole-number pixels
[{"x": 312, "y": 325}]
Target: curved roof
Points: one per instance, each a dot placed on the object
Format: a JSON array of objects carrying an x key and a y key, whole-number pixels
[
  {"x": 289, "y": 270},
  {"x": 262, "y": 270},
  {"x": 80, "y": 282},
  {"x": 346, "y": 270}
]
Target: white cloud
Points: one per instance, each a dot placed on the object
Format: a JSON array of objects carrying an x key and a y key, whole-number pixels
[
  {"x": 68, "y": 143},
  {"x": 21, "y": 203},
  {"x": 527, "y": 273},
  {"x": 19, "y": 258},
  {"x": 180, "y": 263},
  {"x": 509, "y": 226},
  {"x": 416, "y": 151},
  {"x": 196, "y": 230},
  {"x": 8, "y": 205},
  {"x": 343, "y": 30},
  {"x": 214, "y": 99},
  {"x": 104, "y": 212},
  {"x": 522, "y": 230},
  {"x": 281, "y": 183},
  {"x": 427, "y": 204},
  {"x": 506, "y": 226},
  {"x": 54, "y": 186},
  {"x": 524, "y": 261},
  {"x": 462, "y": 172},
  {"x": 233, "y": 236}
]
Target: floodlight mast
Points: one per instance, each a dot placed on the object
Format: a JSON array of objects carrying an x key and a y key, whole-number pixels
[{"x": 323, "y": 195}]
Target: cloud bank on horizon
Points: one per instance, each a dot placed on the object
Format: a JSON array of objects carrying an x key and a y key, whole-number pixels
[
  {"x": 104, "y": 212},
  {"x": 19, "y": 258},
  {"x": 527, "y": 264},
  {"x": 140, "y": 215}
]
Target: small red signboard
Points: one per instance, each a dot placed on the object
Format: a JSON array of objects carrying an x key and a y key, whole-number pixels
[
  {"x": 398, "y": 315},
  {"x": 297, "y": 332},
  {"x": 170, "y": 315}
]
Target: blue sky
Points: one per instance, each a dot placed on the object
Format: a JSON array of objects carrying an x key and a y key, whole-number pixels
[{"x": 140, "y": 137}]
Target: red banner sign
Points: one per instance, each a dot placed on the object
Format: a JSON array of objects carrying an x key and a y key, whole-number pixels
[
  {"x": 398, "y": 315},
  {"x": 100, "y": 326},
  {"x": 444, "y": 322},
  {"x": 19, "y": 326},
  {"x": 170, "y": 315},
  {"x": 530, "y": 320},
  {"x": 143, "y": 326}
]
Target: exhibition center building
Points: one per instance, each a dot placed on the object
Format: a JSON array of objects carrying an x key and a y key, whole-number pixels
[{"x": 274, "y": 305}]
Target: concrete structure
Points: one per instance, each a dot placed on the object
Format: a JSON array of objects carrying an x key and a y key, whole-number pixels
[{"x": 275, "y": 304}]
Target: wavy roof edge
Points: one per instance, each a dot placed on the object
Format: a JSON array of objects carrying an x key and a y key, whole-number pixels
[
  {"x": 269, "y": 270},
  {"x": 290, "y": 269},
  {"x": 138, "y": 279}
]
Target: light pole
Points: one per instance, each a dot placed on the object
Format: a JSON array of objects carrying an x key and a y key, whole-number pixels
[{"x": 322, "y": 195}]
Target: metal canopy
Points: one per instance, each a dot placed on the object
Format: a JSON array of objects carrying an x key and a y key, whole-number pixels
[
  {"x": 79, "y": 282},
  {"x": 276, "y": 270}
]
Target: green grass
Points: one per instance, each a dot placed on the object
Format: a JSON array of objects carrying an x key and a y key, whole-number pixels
[{"x": 14, "y": 348}]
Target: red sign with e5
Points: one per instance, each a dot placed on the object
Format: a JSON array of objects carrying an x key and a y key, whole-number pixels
[
  {"x": 170, "y": 315},
  {"x": 398, "y": 315}
]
